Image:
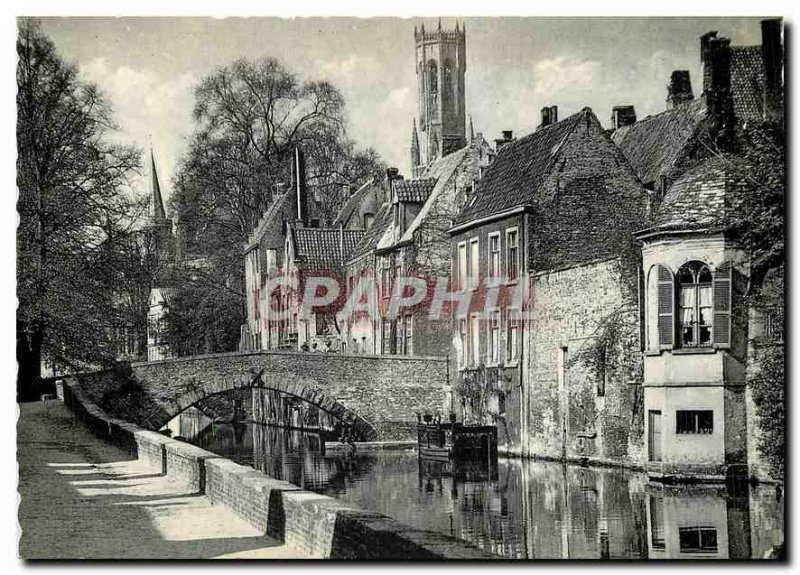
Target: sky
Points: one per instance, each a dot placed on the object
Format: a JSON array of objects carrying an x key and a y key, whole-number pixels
[{"x": 148, "y": 68}]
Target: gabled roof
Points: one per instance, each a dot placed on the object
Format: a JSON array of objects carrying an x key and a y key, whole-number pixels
[
  {"x": 442, "y": 170},
  {"x": 700, "y": 198},
  {"x": 369, "y": 241},
  {"x": 656, "y": 145},
  {"x": 267, "y": 219},
  {"x": 519, "y": 169},
  {"x": 355, "y": 200},
  {"x": 324, "y": 248},
  {"x": 748, "y": 82},
  {"x": 416, "y": 191}
]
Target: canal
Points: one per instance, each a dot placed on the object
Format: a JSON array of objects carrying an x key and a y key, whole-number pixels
[{"x": 521, "y": 509}]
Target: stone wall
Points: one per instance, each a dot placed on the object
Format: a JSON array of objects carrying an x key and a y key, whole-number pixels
[
  {"x": 377, "y": 395},
  {"x": 322, "y": 527},
  {"x": 576, "y": 312}
]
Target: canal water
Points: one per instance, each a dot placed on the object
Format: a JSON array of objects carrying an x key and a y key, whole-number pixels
[{"x": 521, "y": 509}]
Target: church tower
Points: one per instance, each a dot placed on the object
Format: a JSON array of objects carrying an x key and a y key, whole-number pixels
[{"x": 441, "y": 62}]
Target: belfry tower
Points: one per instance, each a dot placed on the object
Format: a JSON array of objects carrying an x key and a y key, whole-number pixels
[{"x": 441, "y": 61}]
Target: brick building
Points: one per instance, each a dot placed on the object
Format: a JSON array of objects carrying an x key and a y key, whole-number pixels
[
  {"x": 618, "y": 359},
  {"x": 546, "y": 235}
]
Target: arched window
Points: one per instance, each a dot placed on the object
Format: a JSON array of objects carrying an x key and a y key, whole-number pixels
[
  {"x": 695, "y": 304},
  {"x": 433, "y": 83},
  {"x": 447, "y": 82}
]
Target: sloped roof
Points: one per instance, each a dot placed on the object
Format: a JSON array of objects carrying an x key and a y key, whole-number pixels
[
  {"x": 655, "y": 145},
  {"x": 700, "y": 198},
  {"x": 354, "y": 201},
  {"x": 324, "y": 247},
  {"x": 442, "y": 170},
  {"x": 266, "y": 220},
  {"x": 747, "y": 82},
  {"x": 414, "y": 190},
  {"x": 369, "y": 241},
  {"x": 519, "y": 169}
]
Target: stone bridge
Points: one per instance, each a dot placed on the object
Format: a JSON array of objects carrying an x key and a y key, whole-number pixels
[{"x": 377, "y": 396}]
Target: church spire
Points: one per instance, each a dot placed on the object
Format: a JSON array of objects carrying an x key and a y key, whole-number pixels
[
  {"x": 415, "y": 159},
  {"x": 157, "y": 212}
]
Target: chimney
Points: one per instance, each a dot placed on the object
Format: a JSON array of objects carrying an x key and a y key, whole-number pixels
[
  {"x": 705, "y": 58},
  {"x": 772, "y": 55},
  {"x": 679, "y": 90},
  {"x": 549, "y": 116},
  {"x": 622, "y": 116},
  {"x": 301, "y": 195},
  {"x": 508, "y": 136},
  {"x": 719, "y": 101},
  {"x": 391, "y": 175}
]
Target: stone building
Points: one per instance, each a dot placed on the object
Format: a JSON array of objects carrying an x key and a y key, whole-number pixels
[
  {"x": 313, "y": 254},
  {"x": 441, "y": 64},
  {"x": 618, "y": 351},
  {"x": 409, "y": 238},
  {"x": 547, "y": 240},
  {"x": 292, "y": 215}
]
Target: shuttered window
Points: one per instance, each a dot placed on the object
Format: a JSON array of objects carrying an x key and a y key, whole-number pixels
[
  {"x": 722, "y": 305},
  {"x": 666, "y": 308}
]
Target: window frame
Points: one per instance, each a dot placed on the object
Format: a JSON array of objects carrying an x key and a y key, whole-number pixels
[
  {"x": 515, "y": 259},
  {"x": 462, "y": 271},
  {"x": 694, "y": 288},
  {"x": 692, "y": 418},
  {"x": 493, "y": 335},
  {"x": 493, "y": 273},
  {"x": 474, "y": 261},
  {"x": 512, "y": 344}
]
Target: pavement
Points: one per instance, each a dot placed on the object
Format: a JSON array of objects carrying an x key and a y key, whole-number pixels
[{"x": 84, "y": 499}]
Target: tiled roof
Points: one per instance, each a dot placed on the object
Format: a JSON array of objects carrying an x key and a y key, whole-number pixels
[
  {"x": 655, "y": 145},
  {"x": 700, "y": 198},
  {"x": 747, "y": 82},
  {"x": 369, "y": 241},
  {"x": 519, "y": 170},
  {"x": 325, "y": 247},
  {"x": 414, "y": 190}
]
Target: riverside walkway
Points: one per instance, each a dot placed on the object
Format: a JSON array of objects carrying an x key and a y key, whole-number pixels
[{"x": 84, "y": 499}]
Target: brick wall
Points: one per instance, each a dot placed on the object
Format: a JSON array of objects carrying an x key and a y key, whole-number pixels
[
  {"x": 570, "y": 309},
  {"x": 322, "y": 527},
  {"x": 377, "y": 395}
]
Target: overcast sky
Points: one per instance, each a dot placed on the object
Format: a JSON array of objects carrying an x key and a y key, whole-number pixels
[{"x": 148, "y": 68}]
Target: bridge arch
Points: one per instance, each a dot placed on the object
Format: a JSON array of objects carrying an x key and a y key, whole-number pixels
[{"x": 257, "y": 379}]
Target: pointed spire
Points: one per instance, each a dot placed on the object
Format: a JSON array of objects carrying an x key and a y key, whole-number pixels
[
  {"x": 456, "y": 25},
  {"x": 440, "y": 24},
  {"x": 157, "y": 212},
  {"x": 415, "y": 158},
  {"x": 471, "y": 130}
]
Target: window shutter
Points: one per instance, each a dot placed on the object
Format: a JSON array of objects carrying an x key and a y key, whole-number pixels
[
  {"x": 722, "y": 306},
  {"x": 666, "y": 308}
]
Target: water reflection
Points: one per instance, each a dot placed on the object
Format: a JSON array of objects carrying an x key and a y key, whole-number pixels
[{"x": 521, "y": 509}]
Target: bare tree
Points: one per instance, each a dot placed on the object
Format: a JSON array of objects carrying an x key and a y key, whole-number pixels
[{"x": 73, "y": 188}]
